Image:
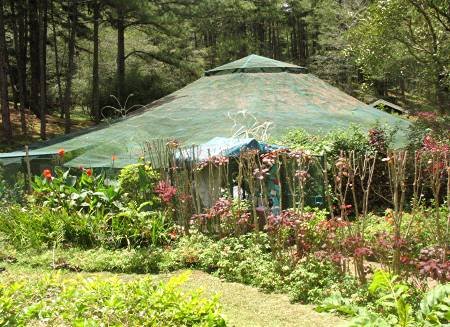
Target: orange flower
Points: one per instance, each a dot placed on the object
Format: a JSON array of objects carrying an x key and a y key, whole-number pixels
[
  {"x": 61, "y": 152},
  {"x": 114, "y": 158},
  {"x": 47, "y": 174},
  {"x": 88, "y": 172}
]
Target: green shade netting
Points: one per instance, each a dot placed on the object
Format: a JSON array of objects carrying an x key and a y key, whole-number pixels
[
  {"x": 255, "y": 64},
  {"x": 201, "y": 111}
]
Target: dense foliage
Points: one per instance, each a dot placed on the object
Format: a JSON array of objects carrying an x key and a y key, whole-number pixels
[
  {"x": 382, "y": 263},
  {"x": 96, "y": 301}
]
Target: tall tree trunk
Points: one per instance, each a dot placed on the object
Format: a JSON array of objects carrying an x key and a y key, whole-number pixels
[
  {"x": 95, "y": 75},
  {"x": 120, "y": 56},
  {"x": 18, "y": 26},
  {"x": 23, "y": 44},
  {"x": 6, "y": 122},
  {"x": 294, "y": 39},
  {"x": 43, "y": 66},
  {"x": 34, "y": 56},
  {"x": 302, "y": 41},
  {"x": 73, "y": 13},
  {"x": 57, "y": 64},
  {"x": 442, "y": 94}
]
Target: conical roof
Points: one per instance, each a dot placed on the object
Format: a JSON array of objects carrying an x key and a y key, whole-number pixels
[
  {"x": 248, "y": 95},
  {"x": 255, "y": 64}
]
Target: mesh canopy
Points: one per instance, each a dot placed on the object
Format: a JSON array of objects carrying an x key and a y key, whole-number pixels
[
  {"x": 201, "y": 111},
  {"x": 255, "y": 64}
]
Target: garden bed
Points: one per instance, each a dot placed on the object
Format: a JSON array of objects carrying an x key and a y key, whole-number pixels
[{"x": 240, "y": 305}]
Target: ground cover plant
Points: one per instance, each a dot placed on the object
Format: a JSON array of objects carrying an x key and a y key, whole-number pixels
[
  {"x": 57, "y": 300},
  {"x": 376, "y": 251}
]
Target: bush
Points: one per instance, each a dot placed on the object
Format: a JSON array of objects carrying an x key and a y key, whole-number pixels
[
  {"x": 313, "y": 280},
  {"x": 246, "y": 259},
  {"x": 332, "y": 143},
  {"x": 137, "y": 182},
  {"x": 188, "y": 252},
  {"x": 135, "y": 226},
  {"x": 57, "y": 300}
]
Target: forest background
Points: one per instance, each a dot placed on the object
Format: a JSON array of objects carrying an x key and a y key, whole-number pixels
[{"x": 61, "y": 62}]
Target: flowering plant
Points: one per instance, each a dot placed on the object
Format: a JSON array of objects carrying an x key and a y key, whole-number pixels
[{"x": 81, "y": 192}]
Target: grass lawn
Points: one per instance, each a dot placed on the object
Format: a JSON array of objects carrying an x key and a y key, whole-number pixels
[
  {"x": 246, "y": 306},
  {"x": 241, "y": 305}
]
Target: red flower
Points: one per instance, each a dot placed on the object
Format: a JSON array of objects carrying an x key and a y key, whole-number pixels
[
  {"x": 61, "y": 152},
  {"x": 47, "y": 174},
  {"x": 88, "y": 172}
]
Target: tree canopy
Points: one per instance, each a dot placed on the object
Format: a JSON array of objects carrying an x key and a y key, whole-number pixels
[{"x": 81, "y": 58}]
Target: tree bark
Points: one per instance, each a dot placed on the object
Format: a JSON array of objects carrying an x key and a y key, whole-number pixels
[
  {"x": 95, "y": 71},
  {"x": 20, "y": 48},
  {"x": 43, "y": 67},
  {"x": 73, "y": 13},
  {"x": 120, "y": 56},
  {"x": 34, "y": 56},
  {"x": 442, "y": 94},
  {"x": 6, "y": 122},
  {"x": 57, "y": 64},
  {"x": 303, "y": 41},
  {"x": 20, "y": 45},
  {"x": 23, "y": 43}
]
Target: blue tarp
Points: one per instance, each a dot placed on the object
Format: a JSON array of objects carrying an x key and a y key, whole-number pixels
[{"x": 227, "y": 147}]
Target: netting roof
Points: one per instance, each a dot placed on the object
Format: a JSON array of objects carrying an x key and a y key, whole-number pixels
[
  {"x": 220, "y": 105},
  {"x": 255, "y": 64}
]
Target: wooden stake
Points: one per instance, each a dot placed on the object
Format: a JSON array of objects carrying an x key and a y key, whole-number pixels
[{"x": 27, "y": 162}]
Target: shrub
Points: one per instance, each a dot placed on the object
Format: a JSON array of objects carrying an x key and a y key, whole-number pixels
[
  {"x": 429, "y": 124},
  {"x": 189, "y": 252},
  {"x": 314, "y": 279},
  {"x": 138, "y": 181},
  {"x": 332, "y": 143},
  {"x": 246, "y": 259},
  {"x": 134, "y": 226},
  {"x": 57, "y": 300}
]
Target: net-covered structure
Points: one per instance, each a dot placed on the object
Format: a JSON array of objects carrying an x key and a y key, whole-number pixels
[{"x": 251, "y": 94}]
